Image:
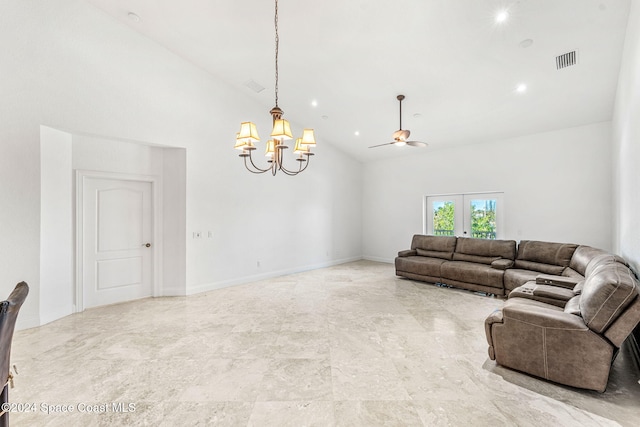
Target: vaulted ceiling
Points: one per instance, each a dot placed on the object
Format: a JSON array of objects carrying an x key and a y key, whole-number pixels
[{"x": 343, "y": 62}]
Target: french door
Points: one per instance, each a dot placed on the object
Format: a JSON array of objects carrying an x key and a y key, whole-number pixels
[{"x": 478, "y": 215}]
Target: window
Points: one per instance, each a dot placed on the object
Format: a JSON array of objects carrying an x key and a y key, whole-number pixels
[{"x": 477, "y": 215}]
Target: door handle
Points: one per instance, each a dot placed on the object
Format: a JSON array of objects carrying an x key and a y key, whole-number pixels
[{"x": 148, "y": 245}]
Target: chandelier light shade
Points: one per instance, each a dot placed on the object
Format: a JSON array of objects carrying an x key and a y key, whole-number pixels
[
  {"x": 300, "y": 148},
  {"x": 281, "y": 129},
  {"x": 308, "y": 138},
  {"x": 281, "y": 132},
  {"x": 271, "y": 148},
  {"x": 247, "y": 136}
]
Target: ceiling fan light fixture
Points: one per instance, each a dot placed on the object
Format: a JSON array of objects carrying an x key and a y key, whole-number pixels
[{"x": 401, "y": 135}]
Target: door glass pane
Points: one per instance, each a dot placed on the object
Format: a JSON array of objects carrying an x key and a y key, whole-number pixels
[
  {"x": 483, "y": 218},
  {"x": 443, "y": 218}
]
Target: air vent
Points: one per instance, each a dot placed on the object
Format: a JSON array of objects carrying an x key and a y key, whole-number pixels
[
  {"x": 254, "y": 86},
  {"x": 566, "y": 60}
]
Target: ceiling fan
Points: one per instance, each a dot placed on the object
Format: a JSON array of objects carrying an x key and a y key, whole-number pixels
[{"x": 401, "y": 135}]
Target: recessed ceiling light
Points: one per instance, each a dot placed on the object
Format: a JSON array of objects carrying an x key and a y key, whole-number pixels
[
  {"x": 314, "y": 103},
  {"x": 502, "y": 16},
  {"x": 417, "y": 115},
  {"x": 356, "y": 133},
  {"x": 132, "y": 16},
  {"x": 325, "y": 117},
  {"x": 521, "y": 88}
]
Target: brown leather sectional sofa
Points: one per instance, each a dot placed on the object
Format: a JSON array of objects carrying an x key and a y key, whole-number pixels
[
  {"x": 569, "y": 307},
  {"x": 474, "y": 264}
]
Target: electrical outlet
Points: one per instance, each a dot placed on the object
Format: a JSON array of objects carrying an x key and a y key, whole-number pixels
[
  {"x": 210, "y": 234},
  {"x": 258, "y": 264}
]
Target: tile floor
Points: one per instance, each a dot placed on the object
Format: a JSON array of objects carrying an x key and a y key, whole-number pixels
[{"x": 350, "y": 345}]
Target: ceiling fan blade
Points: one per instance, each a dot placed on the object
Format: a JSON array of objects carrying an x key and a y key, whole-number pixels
[
  {"x": 380, "y": 145},
  {"x": 417, "y": 143}
]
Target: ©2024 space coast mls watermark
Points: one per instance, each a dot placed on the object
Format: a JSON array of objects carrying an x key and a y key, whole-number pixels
[{"x": 67, "y": 408}]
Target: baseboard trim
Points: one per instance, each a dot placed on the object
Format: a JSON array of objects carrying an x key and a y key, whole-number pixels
[
  {"x": 27, "y": 322},
  {"x": 56, "y": 314},
  {"x": 257, "y": 277},
  {"x": 378, "y": 259}
]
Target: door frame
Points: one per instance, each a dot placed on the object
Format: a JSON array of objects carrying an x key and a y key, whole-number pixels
[{"x": 156, "y": 223}]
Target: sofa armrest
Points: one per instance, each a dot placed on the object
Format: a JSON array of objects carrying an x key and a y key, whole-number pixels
[
  {"x": 502, "y": 263},
  {"x": 495, "y": 317},
  {"x": 555, "y": 292},
  {"x": 543, "y": 317},
  {"x": 408, "y": 252},
  {"x": 564, "y": 281}
]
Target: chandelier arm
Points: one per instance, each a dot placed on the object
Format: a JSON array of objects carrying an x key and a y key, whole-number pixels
[
  {"x": 249, "y": 169},
  {"x": 288, "y": 172},
  {"x": 300, "y": 168},
  {"x": 305, "y": 164},
  {"x": 260, "y": 170}
]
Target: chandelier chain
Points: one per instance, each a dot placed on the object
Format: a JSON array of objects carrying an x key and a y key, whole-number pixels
[{"x": 277, "y": 48}]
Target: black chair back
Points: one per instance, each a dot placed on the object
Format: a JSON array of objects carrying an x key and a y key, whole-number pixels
[{"x": 8, "y": 314}]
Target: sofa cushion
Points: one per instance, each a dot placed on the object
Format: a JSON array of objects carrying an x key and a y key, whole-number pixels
[
  {"x": 602, "y": 259},
  {"x": 546, "y": 253},
  {"x": 434, "y": 243},
  {"x": 420, "y": 265},
  {"x": 486, "y": 248},
  {"x": 570, "y": 272},
  {"x": 471, "y": 272},
  {"x": 434, "y": 254},
  {"x": 474, "y": 258},
  {"x": 607, "y": 291},
  {"x": 539, "y": 267},
  {"x": 581, "y": 257}
]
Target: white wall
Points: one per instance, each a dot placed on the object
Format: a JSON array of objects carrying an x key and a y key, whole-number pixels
[
  {"x": 56, "y": 225},
  {"x": 69, "y": 66},
  {"x": 626, "y": 146},
  {"x": 557, "y": 188}
]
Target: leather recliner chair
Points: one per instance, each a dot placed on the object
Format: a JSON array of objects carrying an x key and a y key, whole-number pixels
[{"x": 573, "y": 345}]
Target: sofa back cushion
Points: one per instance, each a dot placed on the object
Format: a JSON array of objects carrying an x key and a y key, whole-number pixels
[
  {"x": 581, "y": 257},
  {"x": 484, "y": 251},
  {"x": 603, "y": 259},
  {"x": 556, "y": 270},
  {"x": 434, "y": 246},
  {"x": 546, "y": 252},
  {"x": 606, "y": 293},
  {"x": 546, "y": 257}
]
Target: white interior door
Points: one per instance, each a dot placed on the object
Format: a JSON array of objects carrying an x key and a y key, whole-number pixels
[{"x": 116, "y": 238}]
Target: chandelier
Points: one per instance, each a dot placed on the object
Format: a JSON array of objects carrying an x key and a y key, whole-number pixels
[{"x": 281, "y": 132}]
